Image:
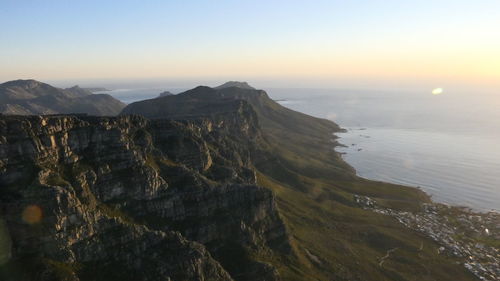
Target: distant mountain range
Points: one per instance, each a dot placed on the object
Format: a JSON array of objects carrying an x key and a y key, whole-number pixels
[
  {"x": 97, "y": 89},
  {"x": 29, "y": 97}
]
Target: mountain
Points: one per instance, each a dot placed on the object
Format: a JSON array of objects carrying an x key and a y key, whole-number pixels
[
  {"x": 236, "y": 84},
  {"x": 335, "y": 234},
  {"x": 76, "y": 90},
  {"x": 215, "y": 184},
  {"x": 27, "y": 97},
  {"x": 164, "y": 94},
  {"x": 133, "y": 199},
  {"x": 203, "y": 100}
]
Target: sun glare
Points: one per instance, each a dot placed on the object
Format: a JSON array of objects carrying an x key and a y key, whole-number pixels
[{"x": 437, "y": 91}]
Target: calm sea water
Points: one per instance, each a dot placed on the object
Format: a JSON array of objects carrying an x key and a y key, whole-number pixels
[{"x": 448, "y": 144}]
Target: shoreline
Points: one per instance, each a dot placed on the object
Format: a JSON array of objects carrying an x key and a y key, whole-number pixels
[
  {"x": 469, "y": 235},
  {"x": 421, "y": 187}
]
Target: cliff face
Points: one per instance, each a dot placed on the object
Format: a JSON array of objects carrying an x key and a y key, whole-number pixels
[
  {"x": 89, "y": 198},
  {"x": 176, "y": 198},
  {"x": 316, "y": 191}
]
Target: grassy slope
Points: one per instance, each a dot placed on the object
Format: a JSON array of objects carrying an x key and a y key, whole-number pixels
[{"x": 334, "y": 239}]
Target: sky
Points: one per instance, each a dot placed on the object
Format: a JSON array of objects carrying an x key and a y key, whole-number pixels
[{"x": 438, "y": 42}]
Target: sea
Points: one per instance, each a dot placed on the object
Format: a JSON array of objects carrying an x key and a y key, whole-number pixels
[{"x": 447, "y": 144}]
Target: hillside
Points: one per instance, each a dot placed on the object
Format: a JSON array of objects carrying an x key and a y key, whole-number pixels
[
  {"x": 28, "y": 97},
  {"x": 334, "y": 236},
  {"x": 94, "y": 198},
  {"x": 216, "y": 184}
]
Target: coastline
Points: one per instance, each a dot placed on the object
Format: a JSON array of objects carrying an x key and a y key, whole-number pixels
[
  {"x": 464, "y": 233},
  {"x": 471, "y": 237},
  {"x": 320, "y": 199},
  {"x": 398, "y": 164}
]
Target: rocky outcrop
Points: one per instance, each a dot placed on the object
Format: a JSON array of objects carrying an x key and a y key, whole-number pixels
[
  {"x": 93, "y": 198},
  {"x": 165, "y": 94}
]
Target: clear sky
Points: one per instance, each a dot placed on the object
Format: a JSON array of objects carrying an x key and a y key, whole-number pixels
[{"x": 309, "y": 40}]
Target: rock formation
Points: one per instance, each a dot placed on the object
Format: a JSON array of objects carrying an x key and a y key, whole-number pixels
[
  {"x": 209, "y": 184},
  {"x": 90, "y": 198},
  {"x": 165, "y": 94}
]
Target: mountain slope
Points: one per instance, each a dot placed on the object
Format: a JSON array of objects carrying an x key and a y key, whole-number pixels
[
  {"x": 133, "y": 199},
  {"x": 235, "y": 84},
  {"x": 79, "y": 91},
  {"x": 27, "y": 97},
  {"x": 218, "y": 184},
  {"x": 332, "y": 236},
  {"x": 164, "y": 94}
]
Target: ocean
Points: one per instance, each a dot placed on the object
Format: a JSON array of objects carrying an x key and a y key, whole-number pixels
[{"x": 447, "y": 144}]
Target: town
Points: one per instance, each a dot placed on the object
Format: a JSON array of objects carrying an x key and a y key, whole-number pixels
[{"x": 473, "y": 238}]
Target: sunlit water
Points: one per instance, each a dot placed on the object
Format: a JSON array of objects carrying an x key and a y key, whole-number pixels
[
  {"x": 456, "y": 169},
  {"x": 447, "y": 144}
]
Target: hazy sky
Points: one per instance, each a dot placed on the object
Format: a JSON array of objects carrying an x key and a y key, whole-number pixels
[{"x": 450, "y": 41}]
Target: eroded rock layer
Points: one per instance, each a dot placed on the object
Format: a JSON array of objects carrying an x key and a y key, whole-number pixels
[{"x": 126, "y": 198}]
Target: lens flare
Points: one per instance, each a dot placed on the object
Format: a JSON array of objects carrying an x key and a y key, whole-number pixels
[
  {"x": 437, "y": 91},
  {"x": 32, "y": 214}
]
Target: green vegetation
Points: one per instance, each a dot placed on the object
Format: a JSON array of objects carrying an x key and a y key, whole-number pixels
[
  {"x": 151, "y": 162},
  {"x": 333, "y": 238},
  {"x": 115, "y": 212},
  {"x": 55, "y": 179}
]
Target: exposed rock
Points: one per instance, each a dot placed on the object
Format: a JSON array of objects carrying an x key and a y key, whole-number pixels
[{"x": 135, "y": 199}]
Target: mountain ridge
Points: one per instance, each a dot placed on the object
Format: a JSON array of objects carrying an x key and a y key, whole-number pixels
[
  {"x": 159, "y": 188},
  {"x": 28, "y": 97},
  {"x": 209, "y": 184},
  {"x": 236, "y": 84},
  {"x": 318, "y": 195}
]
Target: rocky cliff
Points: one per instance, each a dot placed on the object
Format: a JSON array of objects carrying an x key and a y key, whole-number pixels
[
  {"x": 316, "y": 193},
  {"x": 126, "y": 198},
  {"x": 185, "y": 195}
]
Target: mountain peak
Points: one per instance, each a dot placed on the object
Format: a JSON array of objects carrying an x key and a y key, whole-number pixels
[
  {"x": 237, "y": 84},
  {"x": 23, "y": 83},
  {"x": 165, "y": 94},
  {"x": 34, "y": 97}
]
